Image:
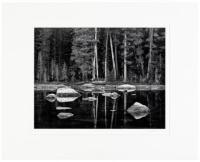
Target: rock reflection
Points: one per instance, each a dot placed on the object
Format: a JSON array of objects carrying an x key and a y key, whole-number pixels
[
  {"x": 96, "y": 110},
  {"x": 64, "y": 115},
  {"x": 51, "y": 97},
  {"x": 63, "y": 108}
]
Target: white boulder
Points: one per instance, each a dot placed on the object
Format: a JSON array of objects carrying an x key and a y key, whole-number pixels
[
  {"x": 138, "y": 110},
  {"x": 112, "y": 95},
  {"x": 67, "y": 94}
]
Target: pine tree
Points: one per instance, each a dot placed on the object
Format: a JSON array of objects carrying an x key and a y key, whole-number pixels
[
  {"x": 83, "y": 51},
  {"x": 64, "y": 72}
]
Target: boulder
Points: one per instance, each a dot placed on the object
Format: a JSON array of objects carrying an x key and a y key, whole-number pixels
[
  {"x": 98, "y": 90},
  {"x": 107, "y": 94},
  {"x": 99, "y": 82},
  {"x": 88, "y": 85},
  {"x": 67, "y": 94},
  {"x": 87, "y": 89},
  {"x": 64, "y": 115},
  {"x": 138, "y": 110},
  {"x": 67, "y": 90},
  {"x": 112, "y": 95}
]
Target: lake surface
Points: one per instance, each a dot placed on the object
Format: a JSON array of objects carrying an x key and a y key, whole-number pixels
[{"x": 103, "y": 113}]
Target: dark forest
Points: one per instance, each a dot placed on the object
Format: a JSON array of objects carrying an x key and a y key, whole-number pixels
[{"x": 71, "y": 55}]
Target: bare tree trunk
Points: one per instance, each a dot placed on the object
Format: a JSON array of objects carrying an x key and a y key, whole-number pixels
[
  {"x": 113, "y": 59},
  {"x": 156, "y": 76},
  {"x": 125, "y": 56},
  {"x": 93, "y": 69},
  {"x": 150, "y": 52},
  {"x": 96, "y": 56},
  {"x": 106, "y": 58},
  {"x": 116, "y": 55}
]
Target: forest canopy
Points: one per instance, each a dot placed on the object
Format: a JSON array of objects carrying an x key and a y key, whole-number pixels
[{"x": 135, "y": 55}]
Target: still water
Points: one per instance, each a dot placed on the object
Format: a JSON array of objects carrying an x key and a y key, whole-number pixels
[{"x": 102, "y": 113}]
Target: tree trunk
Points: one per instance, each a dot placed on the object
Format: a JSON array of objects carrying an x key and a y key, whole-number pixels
[
  {"x": 106, "y": 58},
  {"x": 57, "y": 73},
  {"x": 96, "y": 56},
  {"x": 125, "y": 56},
  {"x": 93, "y": 69},
  {"x": 116, "y": 61},
  {"x": 150, "y": 53},
  {"x": 113, "y": 58}
]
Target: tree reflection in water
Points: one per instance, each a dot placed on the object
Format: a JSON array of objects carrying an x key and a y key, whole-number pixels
[{"x": 104, "y": 112}]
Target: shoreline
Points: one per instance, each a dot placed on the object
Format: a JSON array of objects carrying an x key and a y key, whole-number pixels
[{"x": 54, "y": 86}]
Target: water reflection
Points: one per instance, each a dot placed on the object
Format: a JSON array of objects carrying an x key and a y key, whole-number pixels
[{"x": 94, "y": 110}]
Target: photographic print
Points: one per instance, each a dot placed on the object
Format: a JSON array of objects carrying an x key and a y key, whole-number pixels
[{"x": 99, "y": 78}]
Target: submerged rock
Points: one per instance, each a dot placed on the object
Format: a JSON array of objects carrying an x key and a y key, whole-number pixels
[
  {"x": 88, "y": 85},
  {"x": 99, "y": 82},
  {"x": 67, "y": 90},
  {"x": 64, "y": 115},
  {"x": 89, "y": 99},
  {"x": 138, "y": 110},
  {"x": 63, "y": 108},
  {"x": 107, "y": 94},
  {"x": 126, "y": 87},
  {"x": 51, "y": 97},
  {"x": 113, "y": 95},
  {"x": 87, "y": 89},
  {"x": 98, "y": 90}
]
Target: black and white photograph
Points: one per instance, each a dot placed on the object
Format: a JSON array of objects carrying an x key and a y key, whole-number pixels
[{"x": 99, "y": 78}]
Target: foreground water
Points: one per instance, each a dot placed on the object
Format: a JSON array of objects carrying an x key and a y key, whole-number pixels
[{"x": 102, "y": 113}]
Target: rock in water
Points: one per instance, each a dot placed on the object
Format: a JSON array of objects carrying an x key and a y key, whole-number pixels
[
  {"x": 88, "y": 89},
  {"x": 51, "y": 97},
  {"x": 107, "y": 94},
  {"x": 89, "y": 99},
  {"x": 99, "y": 82},
  {"x": 138, "y": 110},
  {"x": 67, "y": 94},
  {"x": 98, "y": 90},
  {"x": 64, "y": 115},
  {"x": 63, "y": 108},
  {"x": 68, "y": 91},
  {"x": 113, "y": 95},
  {"x": 88, "y": 85},
  {"x": 126, "y": 87}
]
